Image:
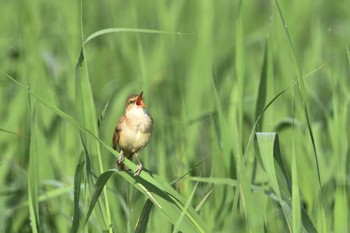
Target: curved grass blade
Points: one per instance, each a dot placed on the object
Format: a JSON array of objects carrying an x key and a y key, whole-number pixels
[
  {"x": 269, "y": 148},
  {"x": 302, "y": 92},
  {"x": 99, "y": 186},
  {"x": 162, "y": 195},
  {"x": 251, "y": 136},
  {"x": 142, "y": 222},
  {"x": 119, "y": 30},
  {"x": 267, "y": 143}
]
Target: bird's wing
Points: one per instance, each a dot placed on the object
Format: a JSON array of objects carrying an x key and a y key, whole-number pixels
[{"x": 116, "y": 135}]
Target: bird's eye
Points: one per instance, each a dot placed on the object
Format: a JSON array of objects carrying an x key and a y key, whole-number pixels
[{"x": 132, "y": 101}]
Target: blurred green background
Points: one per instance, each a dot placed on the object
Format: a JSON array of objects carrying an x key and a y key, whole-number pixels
[{"x": 205, "y": 84}]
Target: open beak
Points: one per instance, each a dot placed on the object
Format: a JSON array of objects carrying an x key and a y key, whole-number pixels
[{"x": 139, "y": 101}]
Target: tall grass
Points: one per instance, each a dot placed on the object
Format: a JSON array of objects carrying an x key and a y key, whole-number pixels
[{"x": 251, "y": 108}]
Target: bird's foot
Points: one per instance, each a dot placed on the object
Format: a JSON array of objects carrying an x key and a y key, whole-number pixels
[
  {"x": 138, "y": 170},
  {"x": 120, "y": 161}
]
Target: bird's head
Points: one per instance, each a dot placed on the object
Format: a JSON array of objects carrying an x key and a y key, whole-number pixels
[{"x": 134, "y": 101}]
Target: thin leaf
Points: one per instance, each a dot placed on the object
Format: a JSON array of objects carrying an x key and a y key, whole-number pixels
[
  {"x": 262, "y": 93},
  {"x": 13, "y": 133},
  {"x": 63, "y": 115},
  {"x": 341, "y": 210},
  {"x": 77, "y": 186},
  {"x": 203, "y": 201},
  {"x": 269, "y": 147},
  {"x": 33, "y": 202},
  {"x": 184, "y": 210},
  {"x": 99, "y": 186},
  {"x": 302, "y": 92},
  {"x": 163, "y": 196},
  {"x": 86, "y": 114},
  {"x": 295, "y": 197},
  {"x": 142, "y": 222},
  {"x": 252, "y": 207},
  {"x": 119, "y": 30}
]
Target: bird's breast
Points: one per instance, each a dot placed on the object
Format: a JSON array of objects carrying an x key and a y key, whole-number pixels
[{"x": 136, "y": 133}]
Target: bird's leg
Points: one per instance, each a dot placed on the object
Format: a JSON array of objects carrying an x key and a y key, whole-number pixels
[
  {"x": 139, "y": 166},
  {"x": 120, "y": 161}
]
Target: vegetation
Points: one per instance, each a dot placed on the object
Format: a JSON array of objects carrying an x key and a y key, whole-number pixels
[{"x": 250, "y": 101}]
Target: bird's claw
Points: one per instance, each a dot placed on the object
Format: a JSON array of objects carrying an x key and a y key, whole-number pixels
[
  {"x": 120, "y": 161},
  {"x": 138, "y": 170}
]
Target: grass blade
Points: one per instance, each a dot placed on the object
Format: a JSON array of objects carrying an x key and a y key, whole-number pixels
[
  {"x": 262, "y": 93},
  {"x": 162, "y": 195},
  {"x": 77, "y": 186},
  {"x": 303, "y": 95},
  {"x": 270, "y": 154},
  {"x": 33, "y": 202},
  {"x": 99, "y": 186},
  {"x": 184, "y": 210},
  {"x": 252, "y": 206},
  {"x": 266, "y": 143},
  {"x": 142, "y": 222},
  {"x": 341, "y": 210},
  {"x": 86, "y": 114},
  {"x": 295, "y": 197}
]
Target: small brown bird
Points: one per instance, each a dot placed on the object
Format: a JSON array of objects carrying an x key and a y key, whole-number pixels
[{"x": 133, "y": 131}]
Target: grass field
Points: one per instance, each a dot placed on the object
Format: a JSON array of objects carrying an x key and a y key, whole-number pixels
[{"x": 250, "y": 101}]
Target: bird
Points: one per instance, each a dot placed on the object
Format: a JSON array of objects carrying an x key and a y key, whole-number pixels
[{"x": 133, "y": 131}]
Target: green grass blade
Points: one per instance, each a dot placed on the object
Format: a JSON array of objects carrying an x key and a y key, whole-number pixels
[
  {"x": 134, "y": 30},
  {"x": 33, "y": 202},
  {"x": 252, "y": 133},
  {"x": 266, "y": 143},
  {"x": 103, "y": 112},
  {"x": 303, "y": 95},
  {"x": 79, "y": 172},
  {"x": 266, "y": 147},
  {"x": 8, "y": 131},
  {"x": 281, "y": 164},
  {"x": 240, "y": 66},
  {"x": 262, "y": 93},
  {"x": 273, "y": 165},
  {"x": 86, "y": 114},
  {"x": 341, "y": 210},
  {"x": 162, "y": 195},
  {"x": 64, "y": 116},
  {"x": 295, "y": 197},
  {"x": 261, "y": 98},
  {"x": 203, "y": 201},
  {"x": 99, "y": 186},
  {"x": 142, "y": 222},
  {"x": 252, "y": 207},
  {"x": 120, "y": 30},
  {"x": 184, "y": 211},
  {"x": 58, "y": 192}
]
